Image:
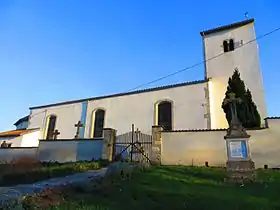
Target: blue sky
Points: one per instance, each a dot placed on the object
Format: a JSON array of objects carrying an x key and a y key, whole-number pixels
[{"x": 53, "y": 51}]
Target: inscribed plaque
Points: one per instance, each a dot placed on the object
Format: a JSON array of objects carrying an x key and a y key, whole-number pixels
[{"x": 236, "y": 149}]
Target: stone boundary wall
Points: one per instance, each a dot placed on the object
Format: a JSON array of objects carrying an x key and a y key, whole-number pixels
[
  {"x": 70, "y": 150},
  {"x": 8, "y": 155},
  {"x": 197, "y": 147}
]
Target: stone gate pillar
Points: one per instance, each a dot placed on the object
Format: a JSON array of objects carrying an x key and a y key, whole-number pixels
[
  {"x": 156, "y": 144},
  {"x": 108, "y": 143}
]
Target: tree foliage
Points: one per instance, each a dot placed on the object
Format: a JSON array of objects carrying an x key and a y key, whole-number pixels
[{"x": 247, "y": 110}]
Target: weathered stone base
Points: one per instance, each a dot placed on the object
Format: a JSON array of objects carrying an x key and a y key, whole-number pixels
[
  {"x": 241, "y": 171},
  {"x": 243, "y": 165}
]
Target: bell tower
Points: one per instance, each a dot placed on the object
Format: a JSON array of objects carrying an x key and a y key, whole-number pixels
[{"x": 226, "y": 48}]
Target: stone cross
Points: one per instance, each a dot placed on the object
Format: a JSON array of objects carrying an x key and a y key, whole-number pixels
[
  {"x": 55, "y": 134},
  {"x": 232, "y": 101},
  {"x": 78, "y": 126}
]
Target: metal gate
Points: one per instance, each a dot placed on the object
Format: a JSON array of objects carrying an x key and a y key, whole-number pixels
[{"x": 133, "y": 146}]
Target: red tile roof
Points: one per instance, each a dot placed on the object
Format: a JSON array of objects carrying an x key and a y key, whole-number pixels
[{"x": 16, "y": 132}]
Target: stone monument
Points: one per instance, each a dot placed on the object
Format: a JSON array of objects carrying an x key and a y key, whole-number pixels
[{"x": 239, "y": 162}]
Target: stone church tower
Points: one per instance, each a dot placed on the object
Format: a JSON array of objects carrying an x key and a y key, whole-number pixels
[{"x": 231, "y": 43}]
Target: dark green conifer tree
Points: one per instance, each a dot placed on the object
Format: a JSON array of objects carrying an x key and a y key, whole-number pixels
[{"x": 247, "y": 110}]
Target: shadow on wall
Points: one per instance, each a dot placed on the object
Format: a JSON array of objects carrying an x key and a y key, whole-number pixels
[
  {"x": 56, "y": 151},
  {"x": 89, "y": 150},
  {"x": 70, "y": 150},
  {"x": 10, "y": 154}
]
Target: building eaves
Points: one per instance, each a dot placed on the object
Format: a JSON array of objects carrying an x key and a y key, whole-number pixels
[
  {"x": 123, "y": 94},
  {"x": 226, "y": 27},
  {"x": 272, "y": 118},
  {"x": 197, "y": 130},
  {"x": 207, "y": 130}
]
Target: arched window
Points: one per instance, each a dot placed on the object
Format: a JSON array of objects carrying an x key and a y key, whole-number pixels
[
  {"x": 98, "y": 123},
  {"x": 164, "y": 116},
  {"x": 225, "y": 44},
  {"x": 231, "y": 45},
  {"x": 50, "y": 127}
]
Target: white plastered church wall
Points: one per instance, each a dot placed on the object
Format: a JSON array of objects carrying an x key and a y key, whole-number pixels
[
  {"x": 67, "y": 116},
  {"x": 139, "y": 109},
  {"x": 245, "y": 58}
]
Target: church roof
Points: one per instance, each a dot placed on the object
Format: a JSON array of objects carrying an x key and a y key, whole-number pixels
[
  {"x": 14, "y": 133},
  {"x": 124, "y": 94},
  {"x": 21, "y": 120},
  {"x": 272, "y": 118},
  {"x": 226, "y": 27}
]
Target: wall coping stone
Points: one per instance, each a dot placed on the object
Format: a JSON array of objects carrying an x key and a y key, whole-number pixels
[{"x": 87, "y": 139}]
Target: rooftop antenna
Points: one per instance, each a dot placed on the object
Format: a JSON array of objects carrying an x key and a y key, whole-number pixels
[{"x": 246, "y": 15}]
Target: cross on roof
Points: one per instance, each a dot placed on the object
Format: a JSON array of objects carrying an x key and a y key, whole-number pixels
[
  {"x": 78, "y": 126},
  {"x": 55, "y": 134}
]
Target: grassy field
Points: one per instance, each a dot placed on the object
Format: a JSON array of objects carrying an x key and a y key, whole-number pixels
[
  {"x": 180, "y": 188},
  {"x": 24, "y": 173}
]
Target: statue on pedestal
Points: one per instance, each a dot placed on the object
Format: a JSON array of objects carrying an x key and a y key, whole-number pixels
[
  {"x": 239, "y": 161},
  {"x": 235, "y": 128}
]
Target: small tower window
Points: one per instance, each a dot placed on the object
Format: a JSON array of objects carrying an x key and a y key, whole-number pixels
[
  {"x": 225, "y": 44},
  {"x": 231, "y": 45},
  {"x": 228, "y": 45}
]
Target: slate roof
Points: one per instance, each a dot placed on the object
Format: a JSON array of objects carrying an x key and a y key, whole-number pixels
[
  {"x": 15, "y": 133},
  {"x": 21, "y": 120},
  {"x": 272, "y": 118},
  {"x": 226, "y": 27},
  {"x": 124, "y": 94}
]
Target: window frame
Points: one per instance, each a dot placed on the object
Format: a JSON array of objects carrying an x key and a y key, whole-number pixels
[
  {"x": 156, "y": 112},
  {"x": 93, "y": 119},
  {"x": 47, "y": 125}
]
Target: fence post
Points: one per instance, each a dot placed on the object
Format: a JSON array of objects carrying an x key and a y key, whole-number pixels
[
  {"x": 156, "y": 144},
  {"x": 132, "y": 142},
  {"x": 108, "y": 143}
]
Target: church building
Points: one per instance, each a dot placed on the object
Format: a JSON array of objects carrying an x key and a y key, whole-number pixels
[{"x": 190, "y": 105}]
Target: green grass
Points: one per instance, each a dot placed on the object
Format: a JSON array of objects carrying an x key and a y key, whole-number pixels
[
  {"x": 178, "y": 187},
  {"x": 46, "y": 171}
]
